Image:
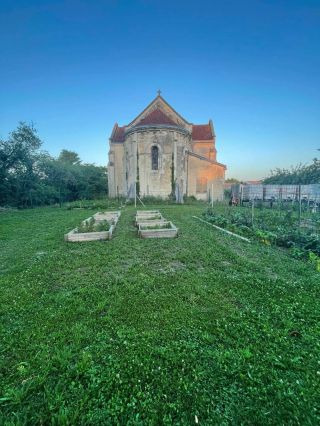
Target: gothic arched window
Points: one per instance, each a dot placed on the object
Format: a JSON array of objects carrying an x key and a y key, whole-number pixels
[{"x": 154, "y": 158}]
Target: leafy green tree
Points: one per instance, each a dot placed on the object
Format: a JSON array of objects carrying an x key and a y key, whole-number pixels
[
  {"x": 69, "y": 157},
  {"x": 18, "y": 155},
  {"x": 92, "y": 181},
  {"x": 30, "y": 177},
  {"x": 300, "y": 174},
  {"x": 58, "y": 176},
  {"x": 232, "y": 180},
  {"x": 70, "y": 182}
]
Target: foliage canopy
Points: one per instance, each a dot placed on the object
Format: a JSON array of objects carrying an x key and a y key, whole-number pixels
[
  {"x": 31, "y": 177},
  {"x": 301, "y": 174}
]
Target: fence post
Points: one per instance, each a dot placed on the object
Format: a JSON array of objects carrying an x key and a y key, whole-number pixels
[
  {"x": 135, "y": 194},
  {"x": 299, "y": 205},
  {"x": 252, "y": 211},
  {"x": 212, "y": 195}
]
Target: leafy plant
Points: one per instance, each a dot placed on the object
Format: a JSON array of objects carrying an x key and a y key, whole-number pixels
[
  {"x": 314, "y": 259},
  {"x": 270, "y": 228},
  {"x": 91, "y": 225},
  {"x": 103, "y": 225}
]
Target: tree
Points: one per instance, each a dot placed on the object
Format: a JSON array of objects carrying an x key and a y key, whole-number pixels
[
  {"x": 18, "y": 155},
  {"x": 69, "y": 157},
  {"x": 58, "y": 176},
  {"x": 300, "y": 174},
  {"x": 92, "y": 181},
  {"x": 232, "y": 180},
  {"x": 30, "y": 177}
]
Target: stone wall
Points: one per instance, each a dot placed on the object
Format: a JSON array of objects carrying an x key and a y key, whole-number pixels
[
  {"x": 132, "y": 160},
  {"x": 201, "y": 176},
  {"x": 205, "y": 148},
  {"x": 171, "y": 162},
  {"x": 115, "y": 170}
]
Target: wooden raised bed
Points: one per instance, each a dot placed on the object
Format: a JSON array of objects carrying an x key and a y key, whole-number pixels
[
  {"x": 75, "y": 236},
  {"x": 148, "y": 231},
  {"x": 151, "y": 222},
  {"x": 147, "y": 212},
  {"x": 109, "y": 216},
  {"x": 153, "y": 216}
]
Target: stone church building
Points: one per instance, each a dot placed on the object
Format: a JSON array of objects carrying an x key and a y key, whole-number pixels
[{"x": 161, "y": 154}]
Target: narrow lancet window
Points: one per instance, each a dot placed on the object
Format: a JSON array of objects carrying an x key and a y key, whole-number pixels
[{"x": 154, "y": 158}]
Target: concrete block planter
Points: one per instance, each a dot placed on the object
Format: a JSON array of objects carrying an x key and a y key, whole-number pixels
[{"x": 164, "y": 230}]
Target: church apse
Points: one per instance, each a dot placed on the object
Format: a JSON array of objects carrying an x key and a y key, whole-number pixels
[{"x": 163, "y": 152}]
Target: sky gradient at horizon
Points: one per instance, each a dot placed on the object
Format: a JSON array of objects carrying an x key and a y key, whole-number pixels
[{"x": 74, "y": 68}]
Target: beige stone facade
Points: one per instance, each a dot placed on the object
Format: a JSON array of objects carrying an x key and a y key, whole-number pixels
[{"x": 161, "y": 154}]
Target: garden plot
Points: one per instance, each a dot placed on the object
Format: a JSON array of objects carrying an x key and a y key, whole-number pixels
[
  {"x": 163, "y": 230},
  {"x": 149, "y": 216},
  {"x": 151, "y": 224},
  {"x": 147, "y": 212},
  {"x": 286, "y": 226},
  {"x": 112, "y": 217},
  {"x": 95, "y": 228}
]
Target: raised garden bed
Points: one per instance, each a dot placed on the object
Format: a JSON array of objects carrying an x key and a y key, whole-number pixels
[
  {"x": 92, "y": 229},
  {"x": 109, "y": 216},
  {"x": 151, "y": 222},
  {"x": 147, "y": 212},
  {"x": 152, "y": 216},
  {"x": 162, "y": 230}
]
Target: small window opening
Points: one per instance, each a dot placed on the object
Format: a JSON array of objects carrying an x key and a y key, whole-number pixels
[{"x": 154, "y": 158}]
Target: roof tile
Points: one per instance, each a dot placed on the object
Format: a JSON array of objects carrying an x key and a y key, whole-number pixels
[
  {"x": 118, "y": 134},
  {"x": 201, "y": 132},
  {"x": 156, "y": 117}
]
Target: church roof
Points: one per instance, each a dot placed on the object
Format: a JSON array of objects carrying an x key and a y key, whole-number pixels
[
  {"x": 156, "y": 117},
  {"x": 118, "y": 133},
  {"x": 161, "y": 100},
  {"x": 201, "y": 132}
]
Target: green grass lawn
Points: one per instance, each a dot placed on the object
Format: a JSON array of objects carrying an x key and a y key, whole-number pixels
[{"x": 145, "y": 332}]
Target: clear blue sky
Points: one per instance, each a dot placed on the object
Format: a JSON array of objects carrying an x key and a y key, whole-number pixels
[{"x": 76, "y": 67}]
